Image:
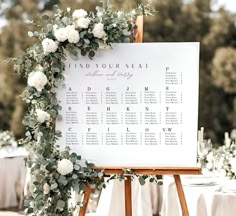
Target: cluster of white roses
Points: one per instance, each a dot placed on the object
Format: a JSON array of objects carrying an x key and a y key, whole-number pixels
[
  {"x": 38, "y": 80},
  {"x": 81, "y": 20},
  {"x": 67, "y": 33},
  {"x": 221, "y": 159},
  {"x": 228, "y": 161}
]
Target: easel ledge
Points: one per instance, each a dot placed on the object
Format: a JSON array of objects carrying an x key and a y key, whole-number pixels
[{"x": 150, "y": 170}]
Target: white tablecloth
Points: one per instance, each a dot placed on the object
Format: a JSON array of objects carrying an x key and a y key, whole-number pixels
[
  {"x": 201, "y": 201},
  {"x": 12, "y": 180},
  {"x": 144, "y": 199}
]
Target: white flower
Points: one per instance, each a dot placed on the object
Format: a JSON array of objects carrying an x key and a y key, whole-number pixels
[
  {"x": 46, "y": 188},
  {"x": 98, "y": 30},
  {"x": 55, "y": 27},
  {"x": 61, "y": 34},
  {"x": 70, "y": 28},
  {"x": 49, "y": 45},
  {"x": 37, "y": 79},
  {"x": 65, "y": 167},
  {"x": 210, "y": 156},
  {"x": 103, "y": 46},
  {"x": 209, "y": 165},
  {"x": 83, "y": 22},
  {"x": 42, "y": 116},
  {"x": 79, "y": 13},
  {"x": 119, "y": 13},
  {"x": 72, "y": 34},
  {"x": 99, "y": 13}
]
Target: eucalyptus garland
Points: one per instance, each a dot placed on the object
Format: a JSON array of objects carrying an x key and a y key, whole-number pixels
[{"x": 55, "y": 172}]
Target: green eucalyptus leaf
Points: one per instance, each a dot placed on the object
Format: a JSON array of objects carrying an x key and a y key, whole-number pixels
[
  {"x": 91, "y": 54},
  {"x": 87, "y": 41},
  {"x": 77, "y": 167},
  {"x": 73, "y": 155},
  {"x": 54, "y": 186},
  {"x": 74, "y": 176},
  {"x": 127, "y": 40},
  {"x": 83, "y": 52},
  {"x": 60, "y": 205},
  {"x": 141, "y": 180},
  {"x": 45, "y": 17}
]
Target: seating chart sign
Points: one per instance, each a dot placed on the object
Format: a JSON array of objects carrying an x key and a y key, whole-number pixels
[{"x": 132, "y": 105}]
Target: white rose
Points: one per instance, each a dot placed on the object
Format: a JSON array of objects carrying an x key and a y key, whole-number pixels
[
  {"x": 98, "y": 30},
  {"x": 42, "y": 116},
  {"x": 49, "y": 45},
  {"x": 83, "y": 22},
  {"x": 37, "y": 79},
  {"x": 61, "y": 34},
  {"x": 46, "y": 188},
  {"x": 65, "y": 167},
  {"x": 79, "y": 13},
  {"x": 72, "y": 34}
]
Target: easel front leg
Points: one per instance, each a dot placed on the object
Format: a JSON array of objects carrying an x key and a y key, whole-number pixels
[
  {"x": 128, "y": 197},
  {"x": 87, "y": 194},
  {"x": 181, "y": 195}
]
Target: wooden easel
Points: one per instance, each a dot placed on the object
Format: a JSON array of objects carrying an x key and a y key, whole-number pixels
[{"x": 175, "y": 171}]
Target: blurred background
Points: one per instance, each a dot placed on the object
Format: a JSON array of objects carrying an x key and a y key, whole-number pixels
[{"x": 211, "y": 22}]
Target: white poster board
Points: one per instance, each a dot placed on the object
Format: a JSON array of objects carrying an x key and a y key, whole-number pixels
[{"x": 133, "y": 105}]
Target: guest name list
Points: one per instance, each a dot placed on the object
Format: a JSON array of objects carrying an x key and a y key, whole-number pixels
[{"x": 130, "y": 102}]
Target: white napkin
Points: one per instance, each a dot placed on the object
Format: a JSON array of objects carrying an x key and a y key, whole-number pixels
[
  {"x": 198, "y": 180},
  {"x": 229, "y": 186}
]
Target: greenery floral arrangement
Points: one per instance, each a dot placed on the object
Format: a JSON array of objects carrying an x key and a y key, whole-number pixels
[
  {"x": 55, "y": 172},
  {"x": 226, "y": 158},
  {"x": 205, "y": 153},
  {"x": 7, "y": 138},
  {"x": 221, "y": 160}
]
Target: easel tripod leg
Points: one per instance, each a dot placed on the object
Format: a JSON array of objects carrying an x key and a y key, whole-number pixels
[
  {"x": 128, "y": 197},
  {"x": 181, "y": 195},
  {"x": 87, "y": 194}
]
